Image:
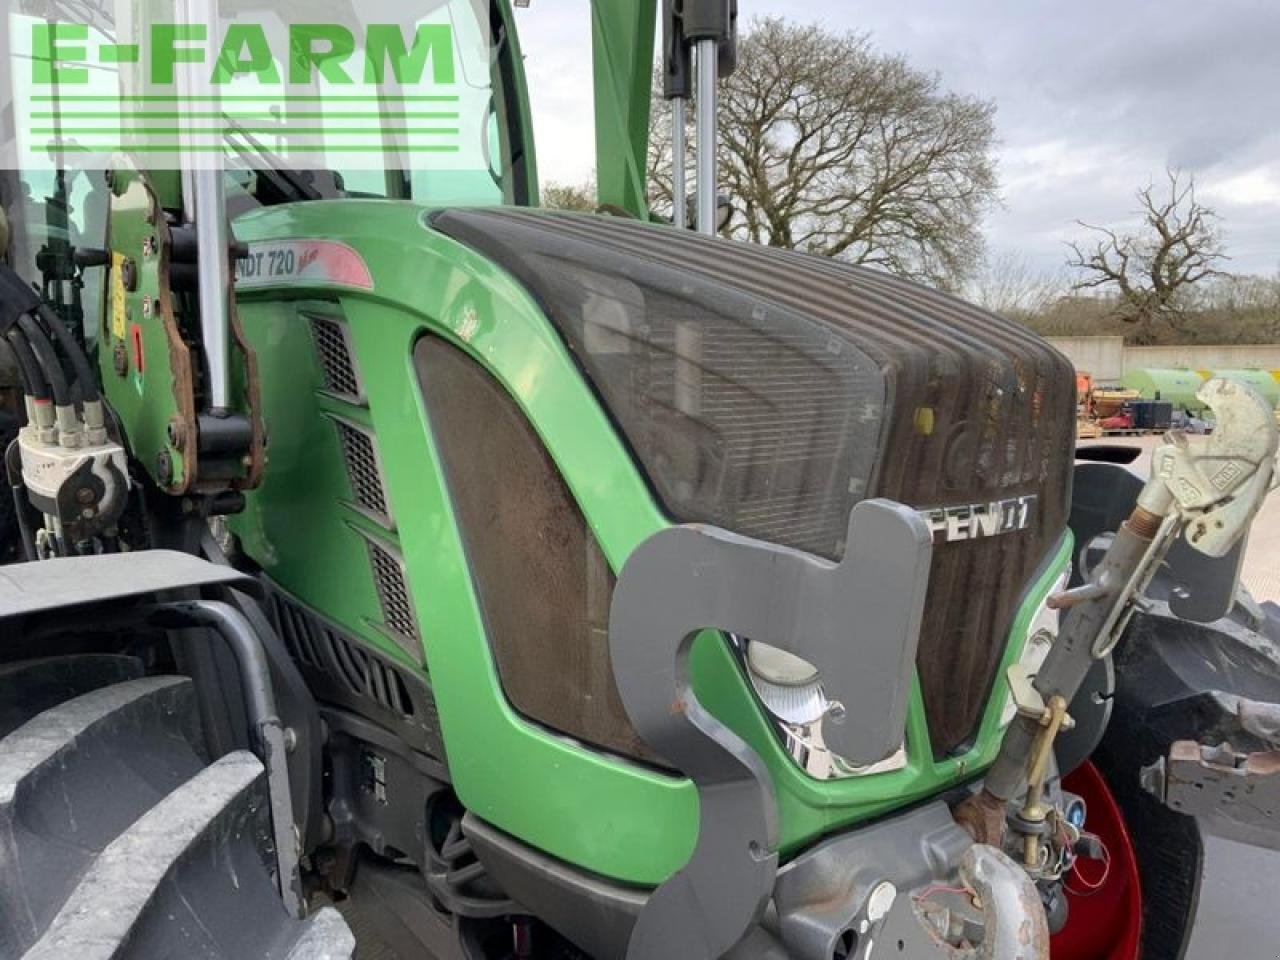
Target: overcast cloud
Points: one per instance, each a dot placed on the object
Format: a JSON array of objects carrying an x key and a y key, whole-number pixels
[{"x": 1094, "y": 98}]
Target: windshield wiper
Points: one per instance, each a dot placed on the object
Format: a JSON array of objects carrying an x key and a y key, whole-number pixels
[{"x": 288, "y": 185}]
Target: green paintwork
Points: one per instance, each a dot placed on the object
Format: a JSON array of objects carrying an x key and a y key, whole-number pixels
[
  {"x": 1266, "y": 385},
  {"x": 622, "y": 33},
  {"x": 160, "y": 387},
  {"x": 604, "y": 814},
  {"x": 147, "y": 401}
]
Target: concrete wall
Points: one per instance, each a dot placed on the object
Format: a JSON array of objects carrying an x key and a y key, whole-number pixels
[
  {"x": 1107, "y": 358},
  {"x": 1103, "y": 357}
]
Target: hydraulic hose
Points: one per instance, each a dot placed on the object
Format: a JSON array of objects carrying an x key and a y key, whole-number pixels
[
  {"x": 48, "y": 360},
  {"x": 33, "y": 382},
  {"x": 79, "y": 362}
]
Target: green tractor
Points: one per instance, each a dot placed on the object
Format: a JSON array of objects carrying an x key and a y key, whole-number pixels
[{"x": 412, "y": 571}]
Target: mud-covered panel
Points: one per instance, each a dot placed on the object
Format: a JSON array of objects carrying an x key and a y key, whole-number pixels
[{"x": 542, "y": 583}]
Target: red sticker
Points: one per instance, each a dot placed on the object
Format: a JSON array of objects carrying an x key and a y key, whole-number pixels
[
  {"x": 303, "y": 261},
  {"x": 136, "y": 333}
]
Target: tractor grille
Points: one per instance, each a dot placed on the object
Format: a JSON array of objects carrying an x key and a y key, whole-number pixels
[
  {"x": 343, "y": 671},
  {"x": 767, "y": 392},
  {"x": 334, "y": 354},
  {"x": 393, "y": 594},
  {"x": 312, "y": 643},
  {"x": 361, "y": 458}
]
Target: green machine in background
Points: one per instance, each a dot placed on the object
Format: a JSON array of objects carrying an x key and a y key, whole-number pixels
[
  {"x": 532, "y": 584},
  {"x": 1180, "y": 386},
  {"x": 1261, "y": 381},
  {"x": 1177, "y": 386}
]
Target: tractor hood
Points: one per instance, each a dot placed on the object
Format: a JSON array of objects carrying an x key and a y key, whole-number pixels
[{"x": 767, "y": 392}]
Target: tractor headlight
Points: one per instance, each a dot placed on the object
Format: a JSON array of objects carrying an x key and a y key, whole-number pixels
[{"x": 790, "y": 689}]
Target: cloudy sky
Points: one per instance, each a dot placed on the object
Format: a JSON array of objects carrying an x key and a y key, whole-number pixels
[{"x": 1094, "y": 98}]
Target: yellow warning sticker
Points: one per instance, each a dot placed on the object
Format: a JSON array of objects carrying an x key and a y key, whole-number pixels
[{"x": 117, "y": 295}]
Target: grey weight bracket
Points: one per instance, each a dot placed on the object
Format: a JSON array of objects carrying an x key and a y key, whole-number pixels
[
  {"x": 1234, "y": 794},
  {"x": 857, "y": 621}
]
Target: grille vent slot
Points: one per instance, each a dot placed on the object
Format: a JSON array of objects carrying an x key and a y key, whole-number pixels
[
  {"x": 314, "y": 644},
  {"x": 361, "y": 458},
  {"x": 334, "y": 353},
  {"x": 393, "y": 592}
]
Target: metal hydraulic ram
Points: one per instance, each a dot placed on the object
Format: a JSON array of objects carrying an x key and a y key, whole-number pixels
[
  {"x": 1206, "y": 491},
  {"x": 710, "y": 27}
]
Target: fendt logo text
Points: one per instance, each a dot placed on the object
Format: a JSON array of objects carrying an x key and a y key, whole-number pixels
[{"x": 972, "y": 521}]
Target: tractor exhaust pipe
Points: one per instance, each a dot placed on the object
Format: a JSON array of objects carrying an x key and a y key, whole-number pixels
[{"x": 710, "y": 26}]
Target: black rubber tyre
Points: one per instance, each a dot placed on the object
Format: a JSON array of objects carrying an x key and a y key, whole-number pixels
[
  {"x": 1168, "y": 676},
  {"x": 1168, "y": 845},
  {"x": 121, "y": 838}
]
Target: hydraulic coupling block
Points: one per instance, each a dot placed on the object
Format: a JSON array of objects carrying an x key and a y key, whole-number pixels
[
  {"x": 80, "y": 489},
  {"x": 64, "y": 463}
]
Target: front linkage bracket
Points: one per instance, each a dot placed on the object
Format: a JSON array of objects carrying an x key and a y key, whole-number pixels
[
  {"x": 857, "y": 622},
  {"x": 1236, "y": 791}
]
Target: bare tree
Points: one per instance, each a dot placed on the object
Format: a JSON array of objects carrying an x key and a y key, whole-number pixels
[
  {"x": 1152, "y": 271},
  {"x": 569, "y": 196},
  {"x": 832, "y": 147},
  {"x": 1012, "y": 285}
]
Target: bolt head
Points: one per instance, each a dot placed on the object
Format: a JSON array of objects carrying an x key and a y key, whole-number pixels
[
  {"x": 120, "y": 360},
  {"x": 164, "y": 468}
]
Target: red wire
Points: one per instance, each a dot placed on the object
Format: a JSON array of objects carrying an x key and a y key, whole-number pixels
[{"x": 1091, "y": 887}]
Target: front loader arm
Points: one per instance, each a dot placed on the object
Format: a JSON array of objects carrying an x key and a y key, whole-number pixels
[{"x": 622, "y": 42}]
